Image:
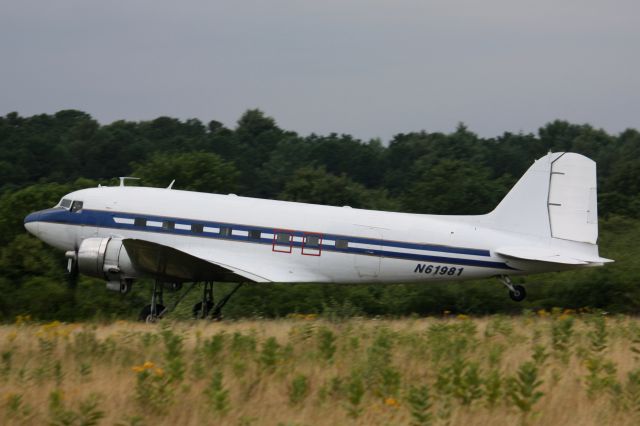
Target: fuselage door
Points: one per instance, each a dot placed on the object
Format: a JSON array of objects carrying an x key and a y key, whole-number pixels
[{"x": 367, "y": 252}]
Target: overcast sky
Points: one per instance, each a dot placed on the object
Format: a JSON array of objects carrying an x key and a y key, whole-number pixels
[{"x": 370, "y": 68}]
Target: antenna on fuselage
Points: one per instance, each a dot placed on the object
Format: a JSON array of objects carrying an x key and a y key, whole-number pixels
[
  {"x": 171, "y": 184},
  {"x": 123, "y": 178}
]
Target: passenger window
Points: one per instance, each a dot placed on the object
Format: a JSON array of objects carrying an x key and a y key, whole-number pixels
[
  {"x": 282, "y": 242},
  {"x": 254, "y": 235},
  {"x": 65, "y": 203},
  {"x": 311, "y": 245},
  {"x": 168, "y": 225},
  {"x": 342, "y": 244},
  {"x": 283, "y": 238},
  {"x": 140, "y": 221},
  {"x": 76, "y": 206},
  {"x": 197, "y": 227},
  {"x": 225, "y": 231},
  {"x": 312, "y": 241}
]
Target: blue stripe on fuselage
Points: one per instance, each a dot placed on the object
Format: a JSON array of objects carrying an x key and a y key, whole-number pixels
[{"x": 105, "y": 219}]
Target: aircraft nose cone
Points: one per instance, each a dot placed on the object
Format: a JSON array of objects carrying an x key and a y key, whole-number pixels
[{"x": 31, "y": 222}]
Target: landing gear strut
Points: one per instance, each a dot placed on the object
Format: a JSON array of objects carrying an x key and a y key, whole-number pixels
[
  {"x": 516, "y": 292},
  {"x": 156, "y": 309},
  {"x": 202, "y": 308},
  {"x": 210, "y": 310},
  {"x": 152, "y": 312}
]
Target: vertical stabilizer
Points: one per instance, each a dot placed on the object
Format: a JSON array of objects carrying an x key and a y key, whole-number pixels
[{"x": 556, "y": 198}]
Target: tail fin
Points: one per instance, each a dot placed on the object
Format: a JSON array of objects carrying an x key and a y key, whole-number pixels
[{"x": 556, "y": 198}]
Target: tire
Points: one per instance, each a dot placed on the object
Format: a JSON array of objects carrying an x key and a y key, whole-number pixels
[
  {"x": 145, "y": 313},
  {"x": 519, "y": 294},
  {"x": 173, "y": 286},
  {"x": 197, "y": 309},
  {"x": 125, "y": 286}
]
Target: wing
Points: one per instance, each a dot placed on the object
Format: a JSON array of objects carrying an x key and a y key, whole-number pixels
[{"x": 172, "y": 264}]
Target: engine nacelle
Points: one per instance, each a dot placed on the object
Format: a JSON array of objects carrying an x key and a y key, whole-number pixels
[{"x": 106, "y": 258}]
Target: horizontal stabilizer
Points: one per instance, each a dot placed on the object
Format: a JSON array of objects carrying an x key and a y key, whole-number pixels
[{"x": 552, "y": 255}]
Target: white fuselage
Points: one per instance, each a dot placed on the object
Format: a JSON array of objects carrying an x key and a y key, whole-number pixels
[{"x": 278, "y": 241}]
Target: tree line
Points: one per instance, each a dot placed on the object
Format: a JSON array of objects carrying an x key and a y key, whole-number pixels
[{"x": 45, "y": 156}]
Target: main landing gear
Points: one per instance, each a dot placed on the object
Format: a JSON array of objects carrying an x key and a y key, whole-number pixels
[
  {"x": 156, "y": 309},
  {"x": 517, "y": 292},
  {"x": 206, "y": 308}
]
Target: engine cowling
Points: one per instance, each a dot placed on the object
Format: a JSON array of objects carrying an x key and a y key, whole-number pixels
[{"x": 106, "y": 258}]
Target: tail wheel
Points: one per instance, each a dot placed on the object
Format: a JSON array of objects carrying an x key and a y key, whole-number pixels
[{"x": 518, "y": 294}]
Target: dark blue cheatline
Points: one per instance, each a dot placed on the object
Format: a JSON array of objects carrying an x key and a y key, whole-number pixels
[{"x": 106, "y": 219}]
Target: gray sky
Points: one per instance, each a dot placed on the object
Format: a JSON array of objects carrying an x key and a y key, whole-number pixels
[{"x": 370, "y": 68}]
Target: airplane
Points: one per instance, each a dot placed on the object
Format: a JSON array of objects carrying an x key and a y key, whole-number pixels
[{"x": 547, "y": 222}]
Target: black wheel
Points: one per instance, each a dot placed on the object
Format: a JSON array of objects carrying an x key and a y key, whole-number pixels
[
  {"x": 173, "y": 286},
  {"x": 197, "y": 309},
  {"x": 145, "y": 313},
  {"x": 518, "y": 294},
  {"x": 125, "y": 286},
  {"x": 216, "y": 315}
]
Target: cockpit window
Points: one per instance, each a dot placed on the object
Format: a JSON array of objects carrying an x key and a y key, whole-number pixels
[
  {"x": 66, "y": 203},
  {"x": 76, "y": 206}
]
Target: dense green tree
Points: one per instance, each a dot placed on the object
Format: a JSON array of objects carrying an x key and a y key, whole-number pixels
[
  {"x": 453, "y": 187},
  {"x": 44, "y": 156},
  {"x": 195, "y": 171},
  {"x": 315, "y": 185},
  {"x": 344, "y": 155}
]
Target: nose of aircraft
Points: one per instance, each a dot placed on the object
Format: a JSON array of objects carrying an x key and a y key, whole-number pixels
[{"x": 31, "y": 222}]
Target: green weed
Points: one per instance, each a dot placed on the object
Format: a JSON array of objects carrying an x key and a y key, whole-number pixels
[
  {"x": 174, "y": 356},
  {"x": 561, "y": 334},
  {"x": 217, "y": 394},
  {"x": 420, "y": 404},
  {"x": 270, "y": 353},
  {"x": 87, "y": 413},
  {"x": 326, "y": 343},
  {"x": 355, "y": 394},
  {"x": 298, "y": 389},
  {"x": 523, "y": 389}
]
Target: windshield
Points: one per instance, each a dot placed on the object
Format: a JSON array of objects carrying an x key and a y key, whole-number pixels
[{"x": 65, "y": 203}]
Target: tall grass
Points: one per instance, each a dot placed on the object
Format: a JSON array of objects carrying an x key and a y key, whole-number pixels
[{"x": 547, "y": 368}]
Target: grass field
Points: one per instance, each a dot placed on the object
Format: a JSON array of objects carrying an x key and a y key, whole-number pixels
[{"x": 557, "y": 368}]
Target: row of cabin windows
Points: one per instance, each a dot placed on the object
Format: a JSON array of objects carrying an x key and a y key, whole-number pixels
[{"x": 225, "y": 231}]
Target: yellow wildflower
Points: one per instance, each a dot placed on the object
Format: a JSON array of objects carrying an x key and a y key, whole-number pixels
[
  {"x": 138, "y": 368},
  {"x": 391, "y": 402},
  {"x": 148, "y": 365},
  {"x": 23, "y": 319}
]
